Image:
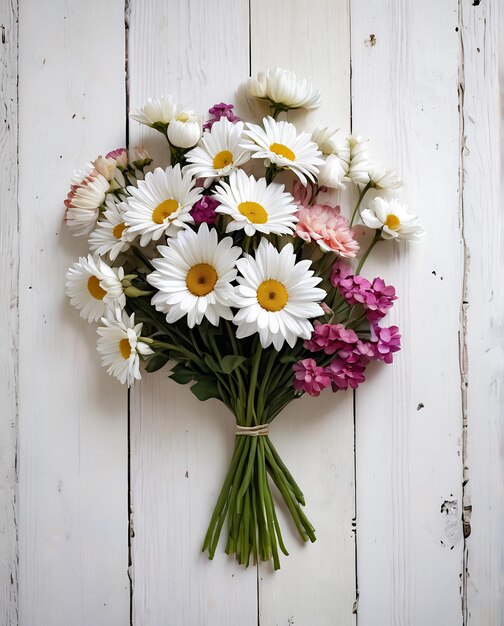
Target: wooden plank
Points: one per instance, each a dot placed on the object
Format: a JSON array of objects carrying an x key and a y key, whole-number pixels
[
  {"x": 481, "y": 346},
  {"x": 316, "y": 584},
  {"x": 9, "y": 268},
  {"x": 73, "y": 417},
  {"x": 180, "y": 448},
  {"x": 409, "y": 418}
]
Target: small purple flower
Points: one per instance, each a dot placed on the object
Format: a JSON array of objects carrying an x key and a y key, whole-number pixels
[
  {"x": 204, "y": 210},
  {"x": 387, "y": 341},
  {"x": 344, "y": 375},
  {"x": 310, "y": 377},
  {"x": 384, "y": 295},
  {"x": 340, "y": 271},
  {"x": 330, "y": 338},
  {"x": 218, "y": 111},
  {"x": 356, "y": 290}
]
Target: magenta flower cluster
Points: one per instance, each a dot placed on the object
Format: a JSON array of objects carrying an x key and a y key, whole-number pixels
[{"x": 218, "y": 111}]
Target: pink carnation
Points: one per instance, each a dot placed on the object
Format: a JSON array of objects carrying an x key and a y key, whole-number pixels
[
  {"x": 344, "y": 374},
  {"x": 331, "y": 230},
  {"x": 387, "y": 341},
  {"x": 330, "y": 338},
  {"x": 310, "y": 377},
  {"x": 204, "y": 210}
]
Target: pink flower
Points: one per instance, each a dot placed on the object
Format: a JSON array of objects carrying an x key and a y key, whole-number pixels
[
  {"x": 344, "y": 374},
  {"x": 356, "y": 289},
  {"x": 120, "y": 156},
  {"x": 340, "y": 270},
  {"x": 310, "y": 377},
  {"x": 384, "y": 295},
  {"x": 387, "y": 341},
  {"x": 331, "y": 230},
  {"x": 330, "y": 338},
  {"x": 302, "y": 195},
  {"x": 218, "y": 111},
  {"x": 204, "y": 210}
]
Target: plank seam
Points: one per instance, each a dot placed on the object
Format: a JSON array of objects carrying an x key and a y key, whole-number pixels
[{"x": 463, "y": 361}]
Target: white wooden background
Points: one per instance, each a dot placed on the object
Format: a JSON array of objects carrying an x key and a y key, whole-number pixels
[{"x": 104, "y": 500}]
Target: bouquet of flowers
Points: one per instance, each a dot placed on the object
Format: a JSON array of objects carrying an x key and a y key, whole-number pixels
[{"x": 232, "y": 268}]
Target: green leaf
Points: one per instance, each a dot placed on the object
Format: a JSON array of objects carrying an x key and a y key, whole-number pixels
[
  {"x": 231, "y": 362},
  {"x": 182, "y": 374},
  {"x": 205, "y": 389},
  {"x": 156, "y": 362},
  {"x": 212, "y": 364},
  {"x": 287, "y": 359}
]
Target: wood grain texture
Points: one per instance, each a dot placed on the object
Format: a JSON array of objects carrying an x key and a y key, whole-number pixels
[
  {"x": 9, "y": 268},
  {"x": 409, "y": 416},
  {"x": 482, "y": 348},
  {"x": 73, "y": 443},
  {"x": 316, "y": 584},
  {"x": 197, "y": 51}
]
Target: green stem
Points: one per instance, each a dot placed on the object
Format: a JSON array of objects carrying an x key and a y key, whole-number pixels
[
  {"x": 361, "y": 198},
  {"x": 376, "y": 239},
  {"x": 253, "y": 382}
]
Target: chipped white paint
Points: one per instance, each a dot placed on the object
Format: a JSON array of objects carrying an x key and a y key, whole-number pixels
[{"x": 413, "y": 65}]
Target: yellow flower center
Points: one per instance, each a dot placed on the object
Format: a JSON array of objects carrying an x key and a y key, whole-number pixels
[
  {"x": 164, "y": 210},
  {"x": 222, "y": 159},
  {"x": 281, "y": 150},
  {"x": 201, "y": 279},
  {"x": 93, "y": 285},
  {"x": 125, "y": 348},
  {"x": 272, "y": 295},
  {"x": 254, "y": 212},
  {"x": 393, "y": 222},
  {"x": 182, "y": 117},
  {"x": 118, "y": 230}
]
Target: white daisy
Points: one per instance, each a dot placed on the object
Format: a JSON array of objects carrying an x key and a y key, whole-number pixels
[
  {"x": 392, "y": 218},
  {"x": 284, "y": 90},
  {"x": 218, "y": 153},
  {"x": 161, "y": 204},
  {"x": 87, "y": 194},
  {"x": 336, "y": 151},
  {"x": 111, "y": 235},
  {"x": 194, "y": 277},
  {"x": 184, "y": 131},
  {"x": 121, "y": 347},
  {"x": 359, "y": 160},
  {"x": 255, "y": 206},
  {"x": 279, "y": 143},
  {"x": 160, "y": 110},
  {"x": 381, "y": 178},
  {"x": 93, "y": 287},
  {"x": 276, "y": 296}
]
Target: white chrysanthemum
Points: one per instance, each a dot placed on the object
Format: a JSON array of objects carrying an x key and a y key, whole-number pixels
[
  {"x": 111, "y": 235},
  {"x": 161, "y": 204},
  {"x": 218, "y": 153},
  {"x": 194, "y": 277},
  {"x": 255, "y": 206},
  {"x": 329, "y": 142},
  {"x": 284, "y": 89},
  {"x": 392, "y": 218},
  {"x": 120, "y": 347},
  {"x": 160, "y": 110},
  {"x": 184, "y": 131},
  {"x": 87, "y": 194},
  {"x": 359, "y": 160},
  {"x": 276, "y": 296},
  {"x": 93, "y": 287},
  {"x": 279, "y": 143},
  {"x": 381, "y": 178}
]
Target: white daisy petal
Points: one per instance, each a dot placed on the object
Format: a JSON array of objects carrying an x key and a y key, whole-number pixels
[
  {"x": 111, "y": 235},
  {"x": 120, "y": 347},
  {"x": 279, "y": 143},
  {"x": 255, "y": 207},
  {"x": 161, "y": 204},
  {"x": 393, "y": 218},
  {"x": 269, "y": 302},
  {"x": 284, "y": 89},
  {"x": 193, "y": 277}
]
